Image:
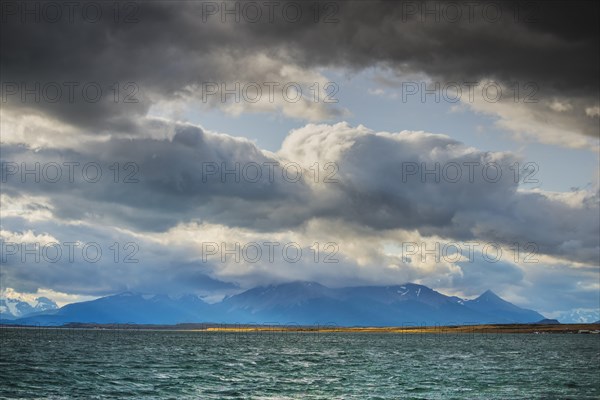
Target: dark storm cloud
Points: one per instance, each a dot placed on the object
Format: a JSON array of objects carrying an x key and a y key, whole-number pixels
[
  {"x": 169, "y": 46},
  {"x": 154, "y": 184}
]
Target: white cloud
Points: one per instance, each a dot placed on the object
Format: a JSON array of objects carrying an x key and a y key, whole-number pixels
[
  {"x": 560, "y": 107},
  {"x": 592, "y": 111},
  {"x": 59, "y": 298}
]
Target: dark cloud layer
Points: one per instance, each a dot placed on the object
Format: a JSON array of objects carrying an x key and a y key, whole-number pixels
[
  {"x": 160, "y": 182},
  {"x": 174, "y": 45}
]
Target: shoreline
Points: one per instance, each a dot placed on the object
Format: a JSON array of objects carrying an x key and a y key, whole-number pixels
[{"x": 271, "y": 329}]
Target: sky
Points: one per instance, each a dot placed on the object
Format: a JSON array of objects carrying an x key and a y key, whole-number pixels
[{"x": 210, "y": 147}]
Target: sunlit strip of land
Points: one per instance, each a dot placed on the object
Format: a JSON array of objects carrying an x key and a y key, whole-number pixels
[
  {"x": 466, "y": 329},
  {"x": 404, "y": 329}
]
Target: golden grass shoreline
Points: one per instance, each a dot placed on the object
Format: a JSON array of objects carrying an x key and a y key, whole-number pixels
[
  {"x": 464, "y": 329},
  {"x": 271, "y": 329}
]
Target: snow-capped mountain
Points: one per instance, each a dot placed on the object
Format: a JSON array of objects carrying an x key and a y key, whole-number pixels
[
  {"x": 127, "y": 307},
  {"x": 578, "y": 316},
  {"x": 11, "y": 308},
  {"x": 492, "y": 304},
  {"x": 309, "y": 302}
]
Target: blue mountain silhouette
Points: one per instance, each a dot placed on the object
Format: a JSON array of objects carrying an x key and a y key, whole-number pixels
[{"x": 302, "y": 303}]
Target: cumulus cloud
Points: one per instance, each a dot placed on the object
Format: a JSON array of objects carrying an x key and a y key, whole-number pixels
[{"x": 405, "y": 180}]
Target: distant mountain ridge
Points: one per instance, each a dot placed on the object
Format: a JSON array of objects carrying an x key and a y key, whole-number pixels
[
  {"x": 11, "y": 308},
  {"x": 582, "y": 316},
  {"x": 302, "y": 303}
]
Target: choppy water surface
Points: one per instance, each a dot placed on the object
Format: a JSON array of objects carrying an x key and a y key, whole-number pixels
[{"x": 44, "y": 363}]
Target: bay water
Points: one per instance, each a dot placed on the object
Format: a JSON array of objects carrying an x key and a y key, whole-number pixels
[{"x": 41, "y": 363}]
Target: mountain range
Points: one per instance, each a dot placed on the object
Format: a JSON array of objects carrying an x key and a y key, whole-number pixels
[
  {"x": 11, "y": 308},
  {"x": 578, "y": 316},
  {"x": 302, "y": 303}
]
